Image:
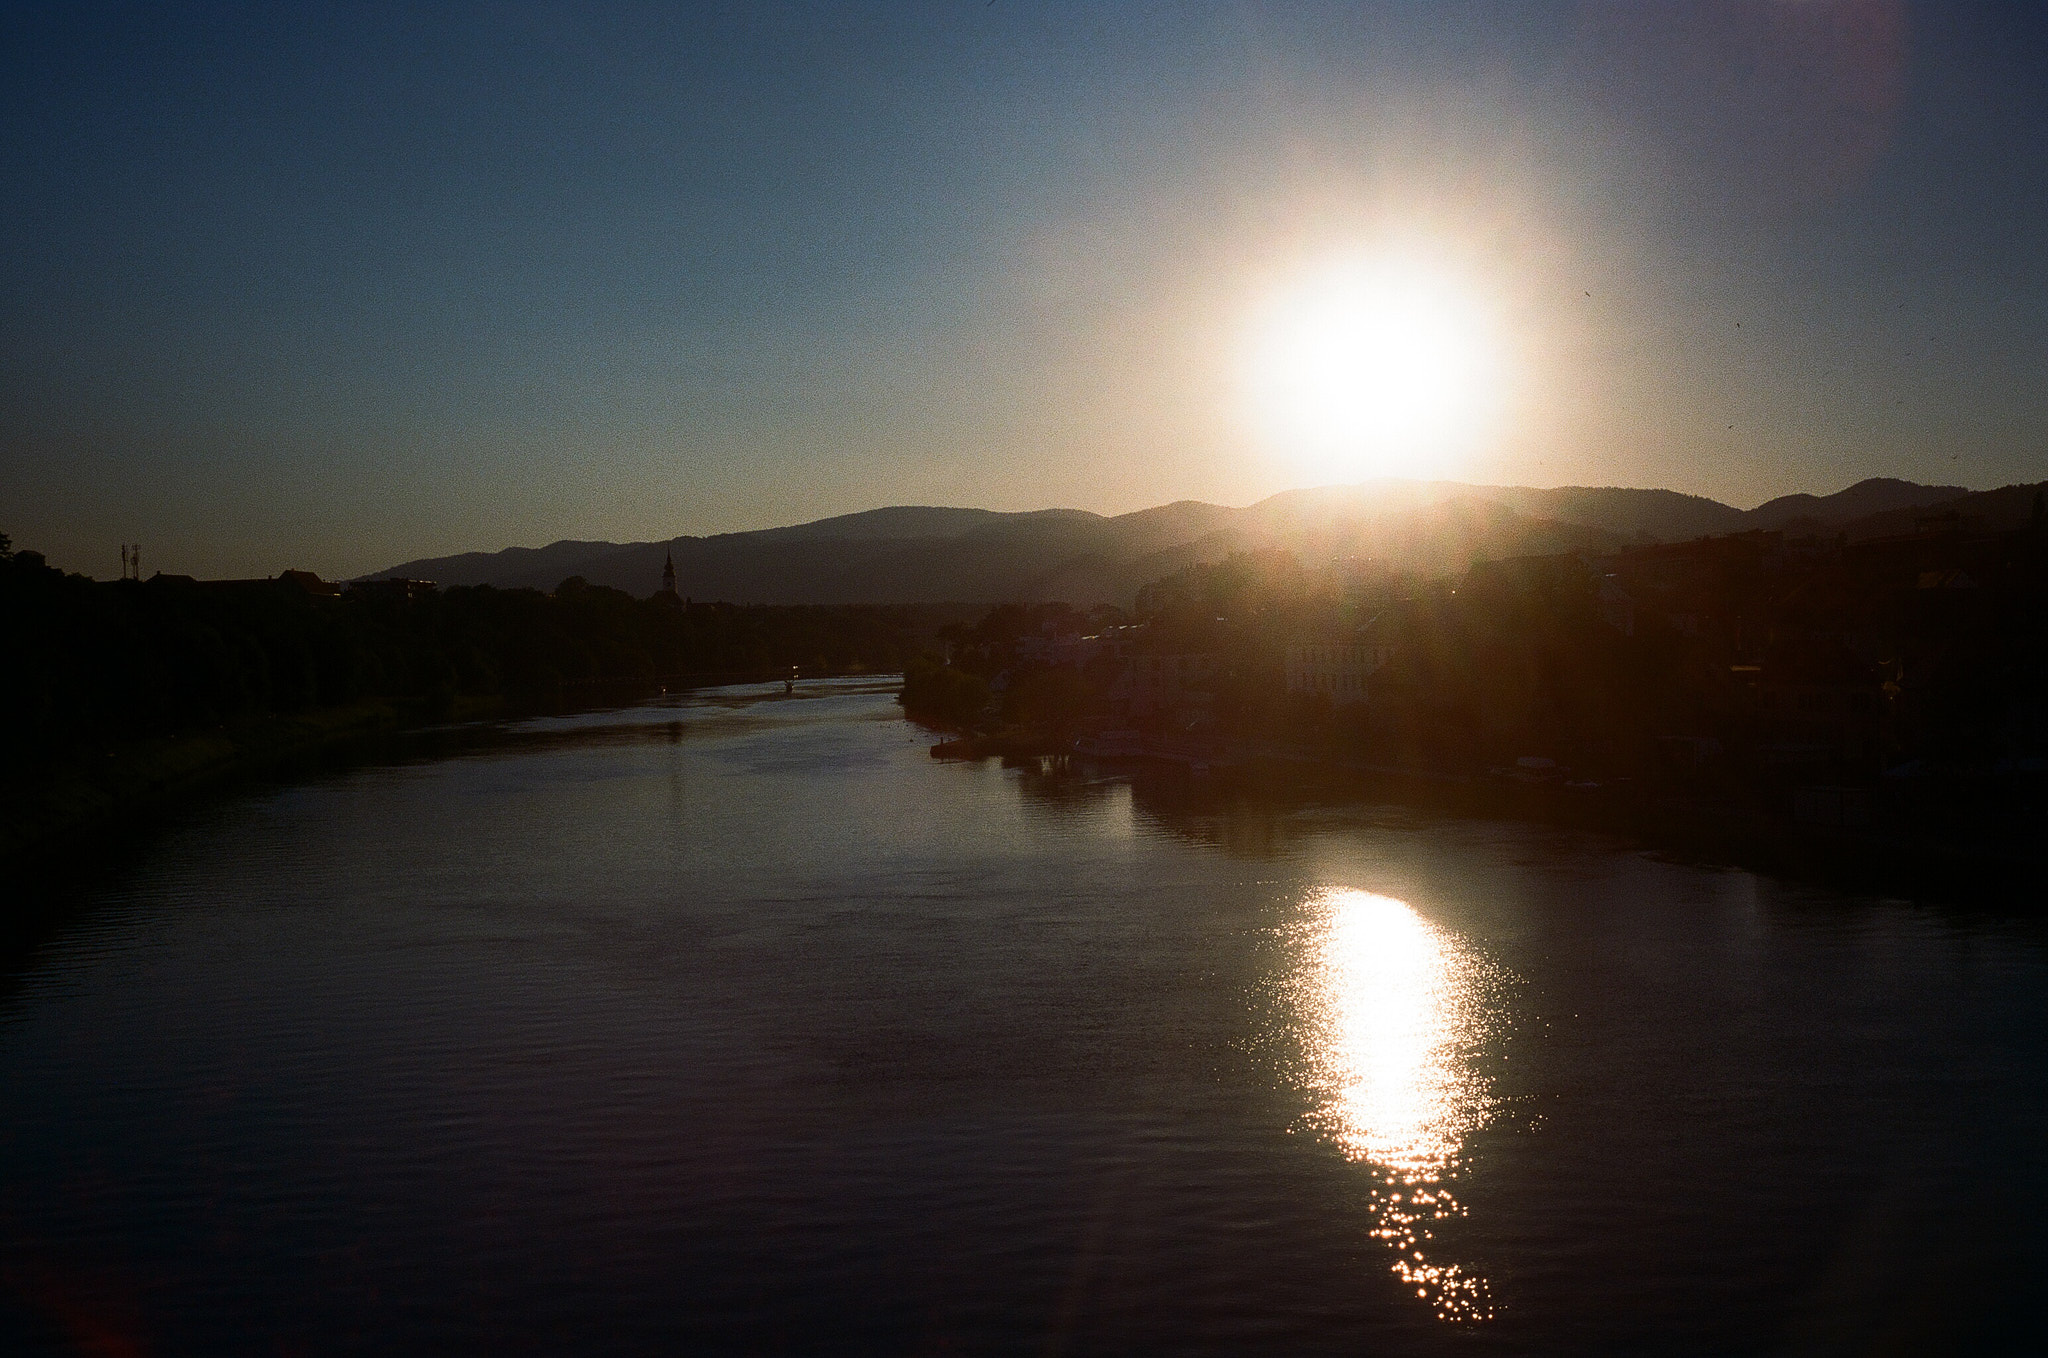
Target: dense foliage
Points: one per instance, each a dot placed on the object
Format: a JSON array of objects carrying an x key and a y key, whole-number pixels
[{"x": 943, "y": 693}]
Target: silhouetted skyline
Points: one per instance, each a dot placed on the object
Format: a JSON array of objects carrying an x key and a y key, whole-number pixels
[{"x": 345, "y": 288}]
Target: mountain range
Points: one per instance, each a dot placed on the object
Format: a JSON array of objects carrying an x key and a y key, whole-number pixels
[{"x": 921, "y": 554}]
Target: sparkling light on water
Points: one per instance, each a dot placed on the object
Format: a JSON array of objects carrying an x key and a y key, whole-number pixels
[{"x": 1397, "y": 1010}]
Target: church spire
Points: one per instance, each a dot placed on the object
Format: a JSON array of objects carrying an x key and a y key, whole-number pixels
[{"x": 668, "y": 575}]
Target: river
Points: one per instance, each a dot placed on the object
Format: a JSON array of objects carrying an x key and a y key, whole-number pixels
[{"x": 733, "y": 1022}]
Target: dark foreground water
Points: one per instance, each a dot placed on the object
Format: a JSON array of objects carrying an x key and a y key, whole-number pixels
[{"x": 738, "y": 1024}]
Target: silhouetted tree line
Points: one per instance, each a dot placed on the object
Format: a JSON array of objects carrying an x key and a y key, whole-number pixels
[
  {"x": 90, "y": 663},
  {"x": 1746, "y": 666},
  {"x": 941, "y": 692}
]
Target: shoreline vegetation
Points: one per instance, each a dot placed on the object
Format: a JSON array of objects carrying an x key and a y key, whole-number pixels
[
  {"x": 125, "y": 696},
  {"x": 1871, "y": 714}
]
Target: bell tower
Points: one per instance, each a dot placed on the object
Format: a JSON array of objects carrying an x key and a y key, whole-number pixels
[{"x": 668, "y": 575}]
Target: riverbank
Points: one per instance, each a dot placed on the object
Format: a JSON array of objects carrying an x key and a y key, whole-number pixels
[
  {"x": 1888, "y": 854},
  {"x": 1884, "y": 856},
  {"x": 67, "y": 805},
  {"x": 1004, "y": 744},
  {"x": 70, "y": 803}
]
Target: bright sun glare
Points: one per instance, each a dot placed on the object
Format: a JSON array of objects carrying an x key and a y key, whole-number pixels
[{"x": 1374, "y": 367}]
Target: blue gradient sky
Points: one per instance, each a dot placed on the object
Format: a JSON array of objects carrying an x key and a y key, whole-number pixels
[{"x": 335, "y": 286}]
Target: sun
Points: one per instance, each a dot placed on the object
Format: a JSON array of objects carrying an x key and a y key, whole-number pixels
[{"x": 1374, "y": 367}]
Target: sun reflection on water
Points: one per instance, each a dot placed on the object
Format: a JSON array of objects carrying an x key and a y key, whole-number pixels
[{"x": 1397, "y": 1010}]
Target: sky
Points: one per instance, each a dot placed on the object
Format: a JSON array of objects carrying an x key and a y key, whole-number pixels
[{"x": 333, "y": 287}]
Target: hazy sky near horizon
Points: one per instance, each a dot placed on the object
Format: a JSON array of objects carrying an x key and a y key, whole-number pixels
[{"x": 338, "y": 286}]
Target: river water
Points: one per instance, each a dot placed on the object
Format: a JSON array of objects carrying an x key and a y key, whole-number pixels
[{"x": 736, "y": 1023}]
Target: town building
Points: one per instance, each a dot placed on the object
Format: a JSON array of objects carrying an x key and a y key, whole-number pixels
[
  {"x": 392, "y": 589},
  {"x": 1340, "y": 670},
  {"x": 311, "y": 584},
  {"x": 1168, "y": 685}
]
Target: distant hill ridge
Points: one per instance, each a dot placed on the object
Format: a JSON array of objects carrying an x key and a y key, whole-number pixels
[{"x": 930, "y": 554}]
